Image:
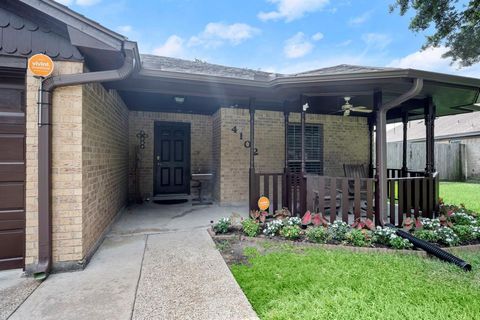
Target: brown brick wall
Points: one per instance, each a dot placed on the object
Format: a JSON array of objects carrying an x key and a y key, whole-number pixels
[
  {"x": 104, "y": 160},
  {"x": 201, "y": 144},
  {"x": 345, "y": 141},
  {"x": 89, "y": 165},
  {"x": 66, "y": 169}
]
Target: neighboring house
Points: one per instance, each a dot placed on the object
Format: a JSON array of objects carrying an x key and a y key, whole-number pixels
[
  {"x": 462, "y": 129},
  {"x": 116, "y": 126}
]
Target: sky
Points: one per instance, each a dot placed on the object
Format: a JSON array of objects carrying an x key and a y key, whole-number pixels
[{"x": 284, "y": 36}]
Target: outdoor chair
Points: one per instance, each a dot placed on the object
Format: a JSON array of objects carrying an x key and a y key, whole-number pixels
[{"x": 359, "y": 171}]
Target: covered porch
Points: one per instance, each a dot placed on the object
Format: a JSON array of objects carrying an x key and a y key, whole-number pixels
[{"x": 263, "y": 126}]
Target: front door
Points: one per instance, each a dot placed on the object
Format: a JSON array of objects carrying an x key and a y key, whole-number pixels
[
  {"x": 12, "y": 169},
  {"x": 172, "y": 158}
]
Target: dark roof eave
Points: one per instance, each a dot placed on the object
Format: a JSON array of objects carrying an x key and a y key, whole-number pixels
[
  {"x": 78, "y": 21},
  {"x": 286, "y": 80},
  {"x": 473, "y": 83}
]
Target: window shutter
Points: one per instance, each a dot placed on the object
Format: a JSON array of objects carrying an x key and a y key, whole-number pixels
[{"x": 313, "y": 148}]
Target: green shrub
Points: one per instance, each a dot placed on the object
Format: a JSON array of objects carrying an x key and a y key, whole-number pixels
[
  {"x": 318, "y": 234},
  {"x": 358, "y": 238},
  {"x": 447, "y": 236},
  {"x": 462, "y": 218},
  {"x": 338, "y": 230},
  {"x": 272, "y": 228},
  {"x": 293, "y": 221},
  {"x": 383, "y": 235},
  {"x": 250, "y": 227},
  {"x": 427, "y": 235},
  {"x": 222, "y": 225},
  {"x": 399, "y": 243},
  {"x": 290, "y": 232},
  {"x": 464, "y": 232}
]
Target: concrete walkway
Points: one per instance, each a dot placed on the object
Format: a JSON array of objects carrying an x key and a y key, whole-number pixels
[{"x": 158, "y": 262}]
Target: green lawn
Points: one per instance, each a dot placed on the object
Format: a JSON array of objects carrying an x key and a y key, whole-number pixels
[
  {"x": 338, "y": 284},
  {"x": 460, "y": 192}
]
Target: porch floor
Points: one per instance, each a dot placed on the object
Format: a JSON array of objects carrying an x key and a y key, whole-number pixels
[{"x": 157, "y": 262}]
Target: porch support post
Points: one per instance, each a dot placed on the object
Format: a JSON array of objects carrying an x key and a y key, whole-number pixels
[
  {"x": 430, "y": 113},
  {"x": 404, "y": 146},
  {"x": 252, "y": 187},
  {"x": 286, "y": 115},
  {"x": 381, "y": 159},
  {"x": 302, "y": 123},
  {"x": 371, "y": 124},
  {"x": 381, "y": 145}
]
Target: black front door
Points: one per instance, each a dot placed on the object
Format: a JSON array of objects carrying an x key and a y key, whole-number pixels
[{"x": 171, "y": 158}]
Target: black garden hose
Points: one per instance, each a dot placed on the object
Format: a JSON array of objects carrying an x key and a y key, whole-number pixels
[{"x": 432, "y": 249}]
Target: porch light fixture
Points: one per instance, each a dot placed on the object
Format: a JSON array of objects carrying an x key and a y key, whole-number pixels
[
  {"x": 305, "y": 106},
  {"x": 179, "y": 100}
]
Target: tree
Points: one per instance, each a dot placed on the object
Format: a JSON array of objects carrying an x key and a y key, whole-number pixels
[{"x": 456, "y": 26}]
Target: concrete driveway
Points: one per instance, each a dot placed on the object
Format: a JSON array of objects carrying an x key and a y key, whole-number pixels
[{"x": 158, "y": 262}]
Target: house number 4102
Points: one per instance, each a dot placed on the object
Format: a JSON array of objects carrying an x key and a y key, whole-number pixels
[{"x": 247, "y": 143}]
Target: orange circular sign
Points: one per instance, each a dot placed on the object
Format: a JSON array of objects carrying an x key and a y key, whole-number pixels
[
  {"x": 40, "y": 65},
  {"x": 263, "y": 203}
]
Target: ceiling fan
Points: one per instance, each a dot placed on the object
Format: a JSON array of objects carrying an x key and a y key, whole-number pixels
[{"x": 348, "y": 107}]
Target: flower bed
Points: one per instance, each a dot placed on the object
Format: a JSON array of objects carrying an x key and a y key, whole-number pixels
[{"x": 455, "y": 226}]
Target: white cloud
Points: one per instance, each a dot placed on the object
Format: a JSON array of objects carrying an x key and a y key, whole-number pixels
[
  {"x": 297, "y": 46},
  {"x": 360, "y": 19},
  {"x": 83, "y": 3},
  {"x": 376, "y": 40},
  {"x": 344, "y": 43},
  {"x": 125, "y": 29},
  {"x": 431, "y": 60},
  {"x": 173, "y": 47},
  {"x": 217, "y": 33},
  {"x": 86, "y": 2},
  {"x": 317, "y": 36},
  {"x": 292, "y": 9}
]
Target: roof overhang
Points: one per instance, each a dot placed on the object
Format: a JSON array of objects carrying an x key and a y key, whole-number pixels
[
  {"x": 101, "y": 47},
  {"x": 452, "y": 94}
]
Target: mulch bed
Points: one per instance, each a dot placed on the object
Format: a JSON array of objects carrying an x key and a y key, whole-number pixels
[{"x": 232, "y": 246}]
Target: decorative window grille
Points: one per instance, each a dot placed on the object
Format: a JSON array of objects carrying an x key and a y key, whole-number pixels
[{"x": 313, "y": 148}]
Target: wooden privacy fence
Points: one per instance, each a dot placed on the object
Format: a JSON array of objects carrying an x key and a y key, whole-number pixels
[
  {"x": 448, "y": 158},
  {"x": 412, "y": 196}
]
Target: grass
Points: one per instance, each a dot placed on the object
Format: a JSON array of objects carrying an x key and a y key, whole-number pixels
[
  {"x": 338, "y": 284},
  {"x": 461, "y": 192}
]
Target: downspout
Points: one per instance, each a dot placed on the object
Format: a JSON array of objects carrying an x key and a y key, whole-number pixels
[
  {"x": 47, "y": 87},
  {"x": 381, "y": 145}
]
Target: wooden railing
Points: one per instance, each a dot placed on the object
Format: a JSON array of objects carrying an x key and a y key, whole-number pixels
[
  {"x": 412, "y": 197},
  {"x": 271, "y": 185},
  {"x": 337, "y": 198},
  {"x": 341, "y": 198},
  {"x": 398, "y": 173}
]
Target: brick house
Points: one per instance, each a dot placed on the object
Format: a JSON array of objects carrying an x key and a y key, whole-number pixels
[{"x": 116, "y": 126}]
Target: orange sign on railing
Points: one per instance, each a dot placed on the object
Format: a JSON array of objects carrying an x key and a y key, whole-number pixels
[
  {"x": 263, "y": 203},
  {"x": 40, "y": 65}
]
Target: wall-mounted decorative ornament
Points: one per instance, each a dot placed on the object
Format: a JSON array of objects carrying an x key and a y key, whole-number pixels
[{"x": 141, "y": 135}]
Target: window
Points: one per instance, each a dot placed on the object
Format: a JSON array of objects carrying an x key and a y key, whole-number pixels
[{"x": 313, "y": 148}]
